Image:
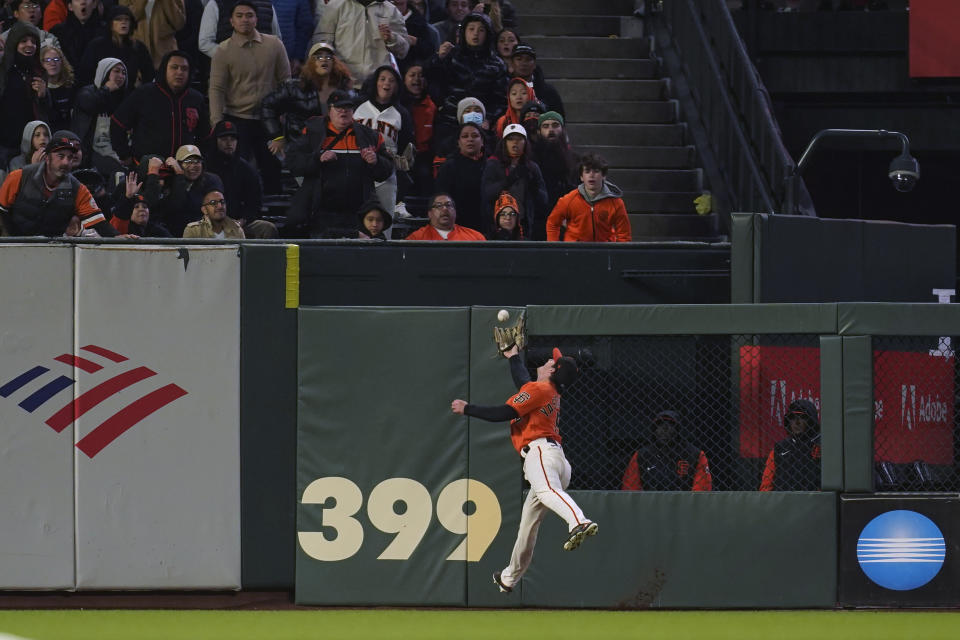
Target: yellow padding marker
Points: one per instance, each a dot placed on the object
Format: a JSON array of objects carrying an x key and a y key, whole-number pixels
[{"x": 293, "y": 276}]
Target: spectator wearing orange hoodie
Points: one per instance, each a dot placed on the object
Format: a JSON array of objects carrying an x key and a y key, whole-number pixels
[
  {"x": 518, "y": 95},
  {"x": 594, "y": 211}
]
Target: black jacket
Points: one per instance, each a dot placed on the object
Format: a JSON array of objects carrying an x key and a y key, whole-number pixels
[
  {"x": 134, "y": 56},
  {"x": 158, "y": 120},
  {"x": 546, "y": 93},
  {"x": 297, "y": 102},
  {"x": 18, "y": 102},
  {"x": 461, "y": 177},
  {"x": 241, "y": 184},
  {"x": 332, "y": 192},
  {"x": 526, "y": 184},
  {"x": 76, "y": 36}
]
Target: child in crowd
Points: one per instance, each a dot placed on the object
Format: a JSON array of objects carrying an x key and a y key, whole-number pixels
[
  {"x": 506, "y": 219},
  {"x": 374, "y": 220},
  {"x": 36, "y": 135}
]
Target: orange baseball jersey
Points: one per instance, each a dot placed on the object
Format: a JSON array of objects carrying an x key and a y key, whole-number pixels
[
  {"x": 538, "y": 405},
  {"x": 83, "y": 203}
]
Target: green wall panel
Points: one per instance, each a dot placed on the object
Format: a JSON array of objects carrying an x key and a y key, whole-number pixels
[
  {"x": 268, "y": 413},
  {"x": 375, "y": 428},
  {"x": 711, "y": 550},
  {"x": 858, "y": 414},
  {"x": 886, "y": 318},
  {"x": 741, "y": 258},
  {"x": 831, "y": 412}
]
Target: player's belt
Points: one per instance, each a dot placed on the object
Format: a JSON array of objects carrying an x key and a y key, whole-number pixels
[{"x": 526, "y": 448}]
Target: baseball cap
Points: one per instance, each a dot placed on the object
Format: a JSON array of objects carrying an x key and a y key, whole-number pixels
[
  {"x": 566, "y": 372},
  {"x": 63, "y": 139},
  {"x": 341, "y": 98},
  {"x": 321, "y": 46},
  {"x": 524, "y": 49},
  {"x": 532, "y": 110},
  {"x": 514, "y": 128},
  {"x": 225, "y": 128},
  {"x": 187, "y": 151}
]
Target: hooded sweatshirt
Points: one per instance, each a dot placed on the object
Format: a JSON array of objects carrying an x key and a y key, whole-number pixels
[
  {"x": 94, "y": 106},
  {"x": 157, "y": 119},
  {"x": 18, "y": 102},
  {"x": 371, "y": 204},
  {"x": 601, "y": 218},
  {"x": 26, "y": 144},
  {"x": 512, "y": 116}
]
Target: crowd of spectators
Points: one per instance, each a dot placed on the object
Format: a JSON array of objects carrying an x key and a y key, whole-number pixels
[{"x": 342, "y": 111}]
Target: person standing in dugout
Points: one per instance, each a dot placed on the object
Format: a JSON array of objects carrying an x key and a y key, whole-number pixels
[
  {"x": 794, "y": 462},
  {"x": 533, "y": 413}
]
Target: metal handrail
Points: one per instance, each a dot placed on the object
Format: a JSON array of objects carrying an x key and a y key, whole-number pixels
[{"x": 733, "y": 105}]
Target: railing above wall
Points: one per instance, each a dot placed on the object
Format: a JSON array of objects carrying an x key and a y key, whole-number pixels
[{"x": 733, "y": 105}]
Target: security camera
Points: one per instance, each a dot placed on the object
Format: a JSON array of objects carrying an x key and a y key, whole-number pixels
[{"x": 904, "y": 172}]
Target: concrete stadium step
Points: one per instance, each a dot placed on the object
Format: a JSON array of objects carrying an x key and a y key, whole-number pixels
[
  {"x": 670, "y": 180},
  {"x": 596, "y": 68},
  {"x": 655, "y": 226},
  {"x": 644, "y": 157},
  {"x": 554, "y": 7},
  {"x": 639, "y": 135},
  {"x": 601, "y": 90},
  {"x": 634, "y": 112},
  {"x": 660, "y": 201},
  {"x": 570, "y": 25},
  {"x": 587, "y": 47}
]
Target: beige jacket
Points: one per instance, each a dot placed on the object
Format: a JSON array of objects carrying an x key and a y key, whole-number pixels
[
  {"x": 242, "y": 72},
  {"x": 159, "y": 33},
  {"x": 354, "y": 31},
  {"x": 203, "y": 229}
]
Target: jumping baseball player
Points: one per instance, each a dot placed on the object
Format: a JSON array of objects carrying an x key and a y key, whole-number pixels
[{"x": 533, "y": 414}]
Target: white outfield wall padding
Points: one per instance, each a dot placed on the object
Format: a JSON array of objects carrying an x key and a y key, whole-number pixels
[
  {"x": 36, "y": 462},
  {"x": 157, "y": 447}
]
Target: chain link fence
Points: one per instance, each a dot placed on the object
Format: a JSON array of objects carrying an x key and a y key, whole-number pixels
[
  {"x": 915, "y": 419},
  {"x": 729, "y": 396}
]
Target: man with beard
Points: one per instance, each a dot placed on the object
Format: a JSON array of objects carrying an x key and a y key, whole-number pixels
[
  {"x": 443, "y": 223},
  {"x": 41, "y": 198},
  {"x": 161, "y": 116},
  {"x": 669, "y": 463},
  {"x": 558, "y": 164}
]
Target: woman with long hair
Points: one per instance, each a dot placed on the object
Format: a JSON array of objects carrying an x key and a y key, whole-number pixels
[
  {"x": 519, "y": 93},
  {"x": 512, "y": 169},
  {"x": 383, "y": 112},
  {"x": 506, "y": 41},
  {"x": 461, "y": 176},
  {"x": 60, "y": 85},
  {"x": 301, "y": 98},
  {"x": 23, "y": 88},
  {"x": 118, "y": 42}
]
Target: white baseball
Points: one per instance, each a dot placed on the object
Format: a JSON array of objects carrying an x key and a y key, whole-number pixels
[{"x": 503, "y": 315}]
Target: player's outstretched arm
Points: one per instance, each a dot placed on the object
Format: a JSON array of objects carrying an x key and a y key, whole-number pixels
[
  {"x": 495, "y": 413},
  {"x": 518, "y": 370}
]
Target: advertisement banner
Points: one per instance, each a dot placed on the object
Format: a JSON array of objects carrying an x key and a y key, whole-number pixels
[
  {"x": 155, "y": 411},
  {"x": 933, "y": 26},
  {"x": 36, "y": 460},
  {"x": 771, "y": 377},
  {"x": 913, "y": 400},
  {"x": 899, "y": 552}
]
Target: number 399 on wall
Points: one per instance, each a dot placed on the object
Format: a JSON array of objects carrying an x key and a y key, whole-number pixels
[{"x": 480, "y": 527}]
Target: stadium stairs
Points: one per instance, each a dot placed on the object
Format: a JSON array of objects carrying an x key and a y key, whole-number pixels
[{"x": 619, "y": 104}]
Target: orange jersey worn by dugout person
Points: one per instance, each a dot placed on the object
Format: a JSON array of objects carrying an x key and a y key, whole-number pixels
[{"x": 538, "y": 405}]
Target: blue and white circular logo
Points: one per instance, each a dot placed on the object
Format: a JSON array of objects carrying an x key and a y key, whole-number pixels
[{"x": 901, "y": 550}]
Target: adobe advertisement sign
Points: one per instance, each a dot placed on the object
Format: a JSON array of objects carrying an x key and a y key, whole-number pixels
[
  {"x": 913, "y": 401},
  {"x": 771, "y": 377},
  {"x": 899, "y": 552}
]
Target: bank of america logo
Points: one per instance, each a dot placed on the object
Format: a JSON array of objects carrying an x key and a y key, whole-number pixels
[
  {"x": 89, "y": 362},
  {"x": 901, "y": 550}
]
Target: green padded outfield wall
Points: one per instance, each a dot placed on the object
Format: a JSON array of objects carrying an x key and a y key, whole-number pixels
[
  {"x": 380, "y": 452},
  {"x": 382, "y": 461}
]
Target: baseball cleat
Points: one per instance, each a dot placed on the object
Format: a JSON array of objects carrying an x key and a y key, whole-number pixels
[
  {"x": 581, "y": 531},
  {"x": 496, "y": 580}
]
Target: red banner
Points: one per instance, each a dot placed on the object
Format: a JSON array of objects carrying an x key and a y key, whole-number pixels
[
  {"x": 933, "y": 38},
  {"x": 913, "y": 399},
  {"x": 770, "y": 379}
]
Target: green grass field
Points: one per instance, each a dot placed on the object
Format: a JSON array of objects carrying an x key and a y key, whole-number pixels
[{"x": 460, "y": 624}]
